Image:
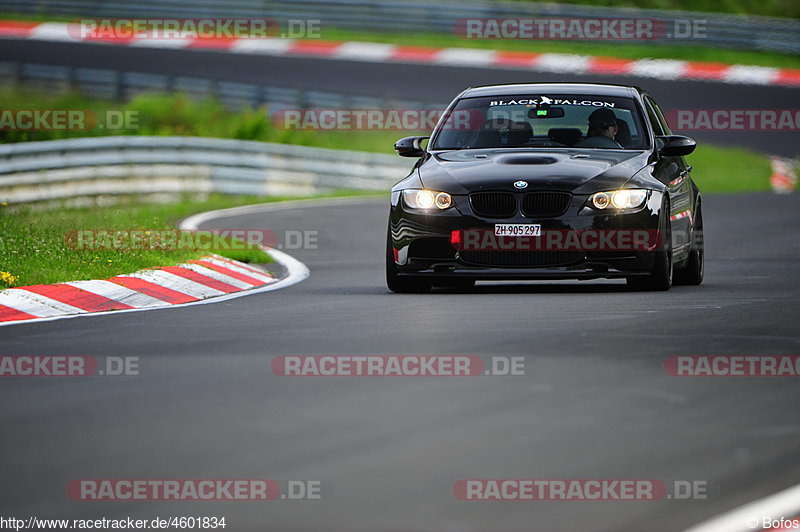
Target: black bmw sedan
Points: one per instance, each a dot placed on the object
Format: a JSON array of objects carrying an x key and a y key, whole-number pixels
[{"x": 546, "y": 181}]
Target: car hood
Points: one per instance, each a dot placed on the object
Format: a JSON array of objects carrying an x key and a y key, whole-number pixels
[{"x": 577, "y": 171}]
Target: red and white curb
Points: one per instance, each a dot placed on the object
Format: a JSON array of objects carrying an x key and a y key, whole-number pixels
[
  {"x": 186, "y": 287},
  {"x": 196, "y": 280},
  {"x": 783, "y": 179},
  {"x": 783, "y": 506},
  {"x": 668, "y": 69}
]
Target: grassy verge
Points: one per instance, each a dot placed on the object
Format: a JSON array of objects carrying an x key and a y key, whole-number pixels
[
  {"x": 34, "y": 247},
  {"x": 173, "y": 115},
  {"x": 717, "y": 169},
  {"x": 766, "y": 8}
]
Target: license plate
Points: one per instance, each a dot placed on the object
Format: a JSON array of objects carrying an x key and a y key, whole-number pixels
[{"x": 517, "y": 229}]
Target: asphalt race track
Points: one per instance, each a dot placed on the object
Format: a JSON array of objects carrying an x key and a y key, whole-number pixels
[
  {"x": 596, "y": 402},
  {"x": 423, "y": 83}
]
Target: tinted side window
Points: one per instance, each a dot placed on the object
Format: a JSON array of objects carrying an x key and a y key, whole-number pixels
[
  {"x": 660, "y": 115},
  {"x": 652, "y": 116}
]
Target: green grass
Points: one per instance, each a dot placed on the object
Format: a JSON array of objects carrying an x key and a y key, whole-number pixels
[
  {"x": 767, "y": 8},
  {"x": 607, "y": 49},
  {"x": 34, "y": 248},
  {"x": 178, "y": 115},
  {"x": 716, "y": 169}
]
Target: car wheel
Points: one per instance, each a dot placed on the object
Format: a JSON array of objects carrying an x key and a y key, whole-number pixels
[
  {"x": 397, "y": 283},
  {"x": 692, "y": 273},
  {"x": 660, "y": 277}
]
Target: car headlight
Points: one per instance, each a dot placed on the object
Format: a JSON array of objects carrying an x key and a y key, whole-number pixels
[
  {"x": 628, "y": 198},
  {"x": 427, "y": 199}
]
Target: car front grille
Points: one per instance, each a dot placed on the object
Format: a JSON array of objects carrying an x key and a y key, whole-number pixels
[
  {"x": 545, "y": 204},
  {"x": 519, "y": 259},
  {"x": 534, "y": 204},
  {"x": 493, "y": 204}
]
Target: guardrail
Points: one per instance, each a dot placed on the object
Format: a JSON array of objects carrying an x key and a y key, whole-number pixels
[
  {"x": 123, "y": 85},
  {"x": 728, "y": 31},
  {"x": 101, "y": 166}
]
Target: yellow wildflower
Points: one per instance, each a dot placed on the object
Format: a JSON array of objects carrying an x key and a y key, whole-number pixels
[{"x": 7, "y": 279}]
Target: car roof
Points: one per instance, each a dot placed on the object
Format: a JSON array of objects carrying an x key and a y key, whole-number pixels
[{"x": 595, "y": 89}]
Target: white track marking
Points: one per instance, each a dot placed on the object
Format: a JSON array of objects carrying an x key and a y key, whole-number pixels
[
  {"x": 784, "y": 504},
  {"x": 658, "y": 68},
  {"x": 192, "y": 223},
  {"x": 262, "y": 46},
  {"x": 145, "y": 41},
  {"x": 365, "y": 51},
  {"x": 562, "y": 63},
  {"x": 54, "y": 31},
  {"x": 465, "y": 57},
  {"x": 750, "y": 74}
]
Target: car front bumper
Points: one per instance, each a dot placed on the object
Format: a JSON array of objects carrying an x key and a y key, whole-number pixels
[{"x": 422, "y": 244}]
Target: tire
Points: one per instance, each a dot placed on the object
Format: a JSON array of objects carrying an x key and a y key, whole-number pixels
[
  {"x": 660, "y": 277},
  {"x": 692, "y": 273},
  {"x": 396, "y": 283}
]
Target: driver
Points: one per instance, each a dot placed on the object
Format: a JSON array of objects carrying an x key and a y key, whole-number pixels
[{"x": 603, "y": 128}]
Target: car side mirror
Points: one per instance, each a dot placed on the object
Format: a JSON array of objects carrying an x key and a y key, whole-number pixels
[
  {"x": 675, "y": 145},
  {"x": 410, "y": 146}
]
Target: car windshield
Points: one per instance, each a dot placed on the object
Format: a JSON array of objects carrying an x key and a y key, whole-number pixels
[{"x": 535, "y": 120}]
